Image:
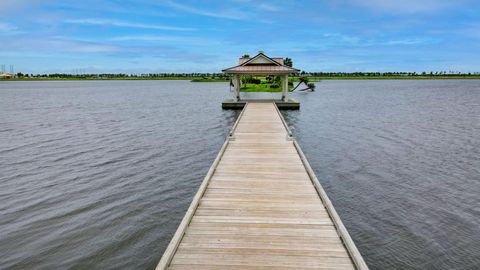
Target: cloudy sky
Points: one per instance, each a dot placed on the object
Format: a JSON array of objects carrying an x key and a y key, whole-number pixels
[{"x": 38, "y": 36}]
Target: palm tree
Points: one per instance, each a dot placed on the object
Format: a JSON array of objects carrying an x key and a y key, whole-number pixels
[
  {"x": 288, "y": 62},
  {"x": 311, "y": 86},
  {"x": 300, "y": 81}
]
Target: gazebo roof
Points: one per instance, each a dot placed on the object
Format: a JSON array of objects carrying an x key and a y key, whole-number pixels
[{"x": 261, "y": 64}]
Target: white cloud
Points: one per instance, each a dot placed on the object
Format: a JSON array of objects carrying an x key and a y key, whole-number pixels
[
  {"x": 84, "y": 47},
  {"x": 147, "y": 38},
  {"x": 7, "y": 6},
  {"x": 117, "y": 23},
  {"x": 37, "y": 44},
  {"x": 188, "y": 40},
  {"x": 232, "y": 14},
  {"x": 6, "y": 27},
  {"x": 268, "y": 7},
  {"x": 408, "y": 41},
  {"x": 471, "y": 31},
  {"x": 408, "y": 6}
]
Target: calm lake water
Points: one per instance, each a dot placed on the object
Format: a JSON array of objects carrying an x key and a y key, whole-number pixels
[{"x": 98, "y": 174}]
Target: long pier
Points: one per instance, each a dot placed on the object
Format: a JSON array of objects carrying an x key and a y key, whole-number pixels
[{"x": 261, "y": 207}]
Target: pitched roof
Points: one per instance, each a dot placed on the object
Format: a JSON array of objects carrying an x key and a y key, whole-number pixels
[
  {"x": 261, "y": 64},
  {"x": 279, "y": 60}
]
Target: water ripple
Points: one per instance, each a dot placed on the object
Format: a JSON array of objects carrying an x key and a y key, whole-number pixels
[{"x": 98, "y": 174}]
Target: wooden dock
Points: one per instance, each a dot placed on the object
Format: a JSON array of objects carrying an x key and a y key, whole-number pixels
[{"x": 261, "y": 207}]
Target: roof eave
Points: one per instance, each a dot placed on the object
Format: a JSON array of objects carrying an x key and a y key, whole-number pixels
[
  {"x": 228, "y": 70},
  {"x": 263, "y": 72}
]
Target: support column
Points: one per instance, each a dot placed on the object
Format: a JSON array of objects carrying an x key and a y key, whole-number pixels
[
  {"x": 285, "y": 88},
  {"x": 236, "y": 92}
]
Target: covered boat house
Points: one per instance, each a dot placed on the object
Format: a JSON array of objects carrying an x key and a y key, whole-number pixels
[
  {"x": 260, "y": 65},
  {"x": 8, "y": 76}
]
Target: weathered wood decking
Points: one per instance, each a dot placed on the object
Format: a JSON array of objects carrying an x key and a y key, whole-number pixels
[{"x": 261, "y": 206}]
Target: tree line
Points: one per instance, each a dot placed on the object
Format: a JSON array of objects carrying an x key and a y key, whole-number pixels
[
  {"x": 226, "y": 76},
  {"x": 376, "y": 74},
  {"x": 121, "y": 75}
]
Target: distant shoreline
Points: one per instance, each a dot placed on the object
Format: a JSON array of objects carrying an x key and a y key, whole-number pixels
[{"x": 292, "y": 78}]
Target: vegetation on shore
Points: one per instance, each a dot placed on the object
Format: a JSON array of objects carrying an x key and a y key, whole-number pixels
[
  {"x": 211, "y": 79},
  {"x": 132, "y": 78},
  {"x": 272, "y": 84},
  {"x": 220, "y": 77},
  {"x": 395, "y": 77},
  {"x": 361, "y": 76},
  {"x": 122, "y": 76},
  {"x": 264, "y": 87}
]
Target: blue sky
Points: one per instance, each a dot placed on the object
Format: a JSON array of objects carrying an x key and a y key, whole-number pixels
[{"x": 38, "y": 36}]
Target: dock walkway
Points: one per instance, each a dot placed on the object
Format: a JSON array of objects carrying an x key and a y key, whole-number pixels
[{"x": 261, "y": 206}]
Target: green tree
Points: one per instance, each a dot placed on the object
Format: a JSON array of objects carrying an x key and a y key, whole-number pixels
[
  {"x": 288, "y": 62},
  {"x": 269, "y": 79}
]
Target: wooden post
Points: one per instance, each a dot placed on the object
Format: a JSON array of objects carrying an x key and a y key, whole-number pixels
[
  {"x": 237, "y": 88},
  {"x": 285, "y": 88}
]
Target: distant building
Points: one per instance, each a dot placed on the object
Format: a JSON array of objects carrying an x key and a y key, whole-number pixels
[{"x": 8, "y": 76}]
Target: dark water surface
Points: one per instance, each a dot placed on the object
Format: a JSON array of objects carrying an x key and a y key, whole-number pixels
[{"x": 98, "y": 174}]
